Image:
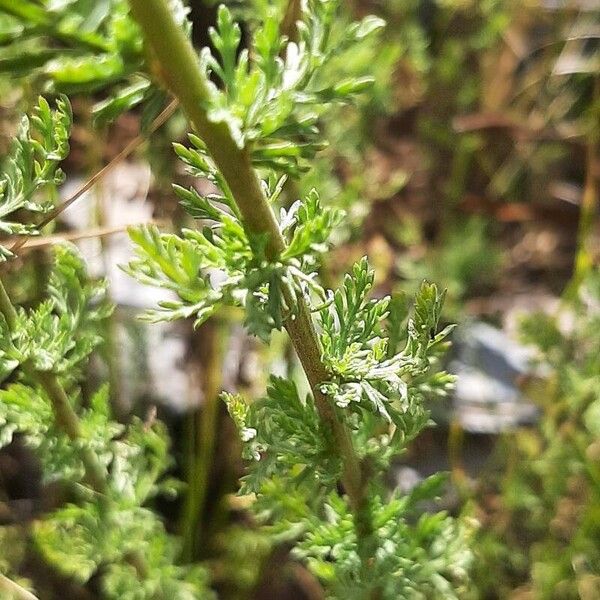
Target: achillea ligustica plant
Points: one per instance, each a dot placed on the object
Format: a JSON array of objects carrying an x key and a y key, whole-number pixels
[{"x": 317, "y": 459}]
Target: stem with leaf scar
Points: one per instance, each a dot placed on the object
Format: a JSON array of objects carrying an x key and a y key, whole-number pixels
[{"x": 174, "y": 60}]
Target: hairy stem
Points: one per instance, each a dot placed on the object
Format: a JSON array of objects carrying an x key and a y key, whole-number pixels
[{"x": 177, "y": 65}]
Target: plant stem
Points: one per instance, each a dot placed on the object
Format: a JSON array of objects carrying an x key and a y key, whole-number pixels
[
  {"x": 111, "y": 333},
  {"x": 177, "y": 65},
  {"x": 7, "y": 309},
  {"x": 12, "y": 591},
  {"x": 204, "y": 422},
  {"x": 68, "y": 421},
  {"x": 584, "y": 260}
]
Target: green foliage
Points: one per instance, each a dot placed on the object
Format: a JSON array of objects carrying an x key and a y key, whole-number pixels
[
  {"x": 233, "y": 268},
  {"x": 294, "y": 473},
  {"x": 361, "y": 540},
  {"x": 422, "y": 556},
  {"x": 111, "y": 471},
  {"x": 355, "y": 347},
  {"x": 376, "y": 389},
  {"x": 285, "y": 437},
  {"x": 78, "y": 46},
  {"x": 41, "y": 143},
  {"x": 272, "y": 95},
  {"x": 81, "y": 539},
  {"x": 61, "y": 332},
  {"x": 96, "y": 45},
  {"x": 115, "y": 531},
  {"x": 549, "y": 498}
]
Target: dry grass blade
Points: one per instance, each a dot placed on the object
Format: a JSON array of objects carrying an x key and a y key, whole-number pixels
[{"x": 71, "y": 236}]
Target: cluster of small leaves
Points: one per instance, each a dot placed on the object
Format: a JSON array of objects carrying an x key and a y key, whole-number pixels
[
  {"x": 119, "y": 534},
  {"x": 271, "y": 106},
  {"x": 76, "y": 46},
  {"x": 114, "y": 532},
  {"x": 283, "y": 434},
  {"x": 420, "y": 554},
  {"x": 26, "y": 410},
  {"x": 271, "y": 95},
  {"x": 94, "y": 45},
  {"x": 60, "y": 332},
  {"x": 365, "y": 374},
  {"x": 41, "y": 143},
  {"x": 221, "y": 265},
  {"x": 381, "y": 395}
]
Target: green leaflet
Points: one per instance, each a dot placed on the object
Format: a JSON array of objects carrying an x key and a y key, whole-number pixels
[
  {"x": 220, "y": 265},
  {"x": 41, "y": 143},
  {"x": 356, "y": 342},
  {"x": 271, "y": 95}
]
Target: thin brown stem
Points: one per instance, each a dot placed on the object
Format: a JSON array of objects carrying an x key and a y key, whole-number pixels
[
  {"x": 133, "y": 145},
  {"x": 73, "y": 236}
]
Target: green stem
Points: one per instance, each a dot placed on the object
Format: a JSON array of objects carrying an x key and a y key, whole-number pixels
[
  {"x": 7, "y": 308},
  {"x": 12, "y": 591},
  {"x": 111, "y": 332},
  {"x": 203, "y": 436},
  {"x": 68, "y": 421},
  {"x": 177, "y": 65},
  {"x": 589, "y": 204}
]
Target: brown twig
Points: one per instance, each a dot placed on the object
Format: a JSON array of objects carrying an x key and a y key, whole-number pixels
[
  {"x": 129, "y": 149},
  {"x": 70, "y": 236}
]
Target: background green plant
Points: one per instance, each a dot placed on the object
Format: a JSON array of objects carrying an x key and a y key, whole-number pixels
[{"x": 451, "y": 166}]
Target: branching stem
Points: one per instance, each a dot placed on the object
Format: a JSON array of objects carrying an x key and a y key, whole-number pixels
[
  {"x": 67, "y": 419},
  {"x": 177, "y": 65}
]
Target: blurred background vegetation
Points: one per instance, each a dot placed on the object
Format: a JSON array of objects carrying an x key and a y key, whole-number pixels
[{"x": 473, "y": 162}]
